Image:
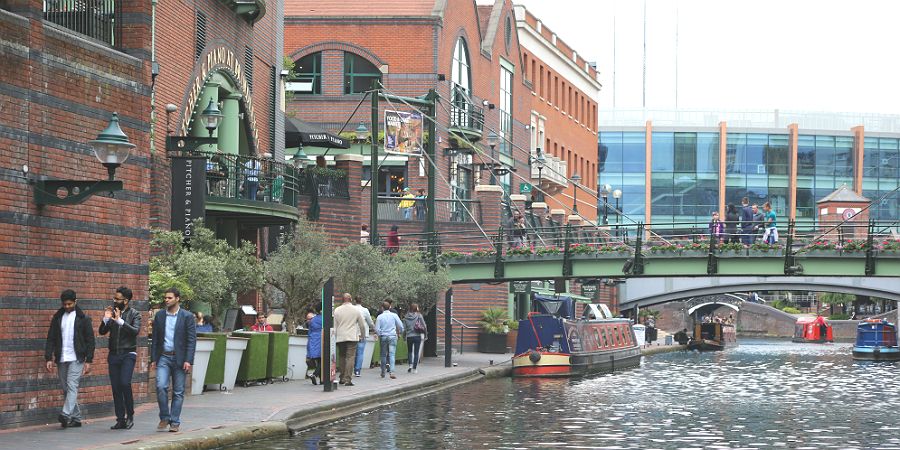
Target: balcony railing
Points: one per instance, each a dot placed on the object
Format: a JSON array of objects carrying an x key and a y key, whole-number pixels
[
  {"x": 464, "y": 113},
  {"x": 227, "y": 177},
  {"x": 97, "y": 19},
  {"x": 325, "y": 185},
  {"x": 554, "y": 171},
  {"x": 445, "y": 210}
]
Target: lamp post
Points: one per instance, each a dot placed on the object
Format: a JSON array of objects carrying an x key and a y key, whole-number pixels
[
  {"x": 539, "y": 162},
  {"x": 617, "y": 194},
  {"x": 112, "y": 148},
  {"x": 492, "y": 139},
  {"x": 575, "y": 179},
  {"x": 361, "y": 132},
  {"x": 604, "y": 194},
  {"x": 211, "y": 116}
]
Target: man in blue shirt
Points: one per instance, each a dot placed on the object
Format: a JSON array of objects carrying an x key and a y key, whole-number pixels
[
  {"x": 388, "y": 326},
  {"x": 172, "y": 354}
]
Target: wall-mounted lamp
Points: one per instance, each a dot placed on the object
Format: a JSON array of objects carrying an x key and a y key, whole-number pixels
[
  {"x": 211, "y": 116},
  {"x": 488, "y": 104},
  {"x": 361, "y": 133},
  {"x": 112, "y": 148}
]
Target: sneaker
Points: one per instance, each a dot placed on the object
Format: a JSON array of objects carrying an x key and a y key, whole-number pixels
[
  {"x": 73, "y": 423},
  {"x": 356, "y": 373},
  {"x": 173, "y": 428},
  {"x": 315, "y": 382},
  {"x": 409, "y": 370},
  {"x": 349, "y": 383},
  {"x": 163, "y": 424},
  {"x": 415, "y": 370},
  {"x": 120, "y": 425},
  {"x": 129, "y": 422},
  {"x": 64, "y": 421},
  {"x": 393, "y": 376}
]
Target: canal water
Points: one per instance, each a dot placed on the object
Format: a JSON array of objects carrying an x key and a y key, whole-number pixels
[{"x": 762, "y": 394}]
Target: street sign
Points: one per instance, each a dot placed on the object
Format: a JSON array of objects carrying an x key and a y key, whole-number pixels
[
  {"x": 519, "y": 287},
  {"x": 524, "y": 188},
  {"x": 589, "y": 290}
]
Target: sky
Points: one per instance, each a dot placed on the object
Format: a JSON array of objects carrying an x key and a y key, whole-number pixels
[{"x": 799, "y": 55}]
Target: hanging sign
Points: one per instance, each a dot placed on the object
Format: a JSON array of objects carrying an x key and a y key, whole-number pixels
[
  {"x": 520, "y": 287},
  {"x": 403, "y": 133},
  {"x": 188, "y": 193}
]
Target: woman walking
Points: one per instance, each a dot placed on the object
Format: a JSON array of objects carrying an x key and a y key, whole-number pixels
[
  {"x": 314, "y": 345},
  {"x": 416, "y": 332}
]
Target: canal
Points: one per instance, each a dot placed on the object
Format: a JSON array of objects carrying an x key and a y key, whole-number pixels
[{"x": 762, "y": 394}]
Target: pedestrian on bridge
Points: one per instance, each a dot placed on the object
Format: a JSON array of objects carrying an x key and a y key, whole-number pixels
[
  {"x": 771, "y": 234},
  {"x": 731, "y": 223},
  {"x": 746, "y": 222}
]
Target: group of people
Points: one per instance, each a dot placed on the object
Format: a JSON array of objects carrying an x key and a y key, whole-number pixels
[
  {"x": 353, "y": 323},
  {"x": 412, "y": 205},
  {"x": 715, "y": 318},
  {"x": 749, "y": 219},
  {"x": 70, "y": 346}
]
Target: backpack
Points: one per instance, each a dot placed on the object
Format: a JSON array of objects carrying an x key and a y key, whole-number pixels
[{"x": 419, "y": 325}]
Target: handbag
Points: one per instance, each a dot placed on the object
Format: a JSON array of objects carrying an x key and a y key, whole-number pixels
[{"x": 419, "y": 325}]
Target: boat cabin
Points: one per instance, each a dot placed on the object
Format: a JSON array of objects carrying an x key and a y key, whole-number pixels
[
  {"x": 816, "y": 330},
  {"x": 876, "y": 340}
]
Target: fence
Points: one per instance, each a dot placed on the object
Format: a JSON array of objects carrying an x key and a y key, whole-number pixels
[
  {"x": 97, "y": 19},
  {"x": 324, "y": 185},
  {"x": 232, "y": 176},
  {"x": 414, "y": 209}
]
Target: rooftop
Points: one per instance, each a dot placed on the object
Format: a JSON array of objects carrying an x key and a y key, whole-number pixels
[{"x": 373, "y": 8}]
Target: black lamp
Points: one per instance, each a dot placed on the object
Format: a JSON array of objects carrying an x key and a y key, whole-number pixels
[{"x": 575, "y": 180}]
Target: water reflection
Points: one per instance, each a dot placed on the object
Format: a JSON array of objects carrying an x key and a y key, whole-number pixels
[{"x": 762, "y": 394}]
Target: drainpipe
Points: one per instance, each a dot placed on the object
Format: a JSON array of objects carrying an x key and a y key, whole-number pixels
[{"x": 154, "y": 71}]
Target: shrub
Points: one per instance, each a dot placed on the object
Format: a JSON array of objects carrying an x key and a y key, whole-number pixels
[
  {"x": 839, "y": 317},
  {"x": 731, "y": 247},
  {"x": 483, "y": 252},
  {"x": 820, "y": 245},
  {"x": 523, "y": 250},
  {"x": 764, "y": 247},
  {"x": 493, "y": 320},
  {"x": 548, "y": 251},
  {"x": 582, "y": 249},
  {"x": 890, "y": 245},
  {"x": 791, "y": 310}
]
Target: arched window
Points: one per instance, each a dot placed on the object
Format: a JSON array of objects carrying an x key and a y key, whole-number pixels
[
  {"x": 461, "y": 76},
  {"x": 358, "y": 74},
  {"x": 308, "y": 70}
]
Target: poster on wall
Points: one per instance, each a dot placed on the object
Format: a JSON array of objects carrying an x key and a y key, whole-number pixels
[
  {"x": 188, "y": 194},
  {"x": 403, "y": 133}
]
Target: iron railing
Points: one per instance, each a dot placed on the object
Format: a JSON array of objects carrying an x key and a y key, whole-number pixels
[
  {"x": 97, "y": 19},
  {"x": 414, "y": 209},
  {"x": 330, "y": 185},
  {"x": 231, "y": 176},
  {"x": 463, "y": 112},
  {"x": 462, "y": 330}
]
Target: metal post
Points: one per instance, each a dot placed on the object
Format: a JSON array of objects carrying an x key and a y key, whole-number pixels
[
  {"x": 373, "y": 182},
  {"x": 429, "y": 202},
  {"x": 327, "y": 325},
  {"x": 448, "y": 327},
  {"x": 605, "y": 211}
]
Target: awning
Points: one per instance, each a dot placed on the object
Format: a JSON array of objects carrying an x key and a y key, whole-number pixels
[{"x": 298, "y": 133}]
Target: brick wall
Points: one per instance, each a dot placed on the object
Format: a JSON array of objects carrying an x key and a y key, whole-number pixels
[{"x": 58, "y": 90}]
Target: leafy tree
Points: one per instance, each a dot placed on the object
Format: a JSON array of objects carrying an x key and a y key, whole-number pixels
[
  {"x": 163, "y": 278},
  {"x": 414, "y": 282},
  {"x": 364, "y": 272},
  {"x": 299, "y": 268}
]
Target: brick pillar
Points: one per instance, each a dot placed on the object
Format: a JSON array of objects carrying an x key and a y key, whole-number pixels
[
  {"x": 558, "y": 215},
  {"x": 352, "y": 164},
  {"x": 518, "y": 202},
  {"x": 490, "y": 196}
]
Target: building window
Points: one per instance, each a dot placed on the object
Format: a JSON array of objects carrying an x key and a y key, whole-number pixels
[
  {"x": 358, "y": 74},
  {"x": 248, "y": 67},
  {"x": 507, "y": 33},
  {"x": 506, "y": 98},
  {"x": 200, "y": 35},
  {"x": 461, "y": 76},
  {"x": 309, "y": 73}
]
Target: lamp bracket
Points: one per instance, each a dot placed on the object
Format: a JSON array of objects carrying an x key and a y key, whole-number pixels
[
  {"x": 188, "y": 143},
  {"x": 46, "y": 191}
]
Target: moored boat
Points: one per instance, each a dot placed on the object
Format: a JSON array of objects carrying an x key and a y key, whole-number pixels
[
  {"x": 552, "y": 343},
  {"x": 712, "y": 337},
  {"x": 876, "y": 340},
  {"x": 813, "y": 330}
]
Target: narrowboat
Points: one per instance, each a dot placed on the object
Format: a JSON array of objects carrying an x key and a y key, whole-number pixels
[
  {"x": 712, "y": 336},
  {"x": 813, "y": 330},
  {"x": 553, "y": 343},
  {"x": 876, "y": 340}
]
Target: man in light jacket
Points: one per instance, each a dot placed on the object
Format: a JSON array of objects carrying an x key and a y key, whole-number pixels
[
  {"x": 348, "y": 327},
  {"x": 388, "y": 326},
  {"x": 361, "y": 347}
]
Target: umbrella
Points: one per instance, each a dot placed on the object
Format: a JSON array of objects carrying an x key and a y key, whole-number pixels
[{"x": 298, "y": 133}]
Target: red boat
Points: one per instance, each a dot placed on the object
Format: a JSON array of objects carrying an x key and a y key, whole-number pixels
[{"x": 813, "y": 330}]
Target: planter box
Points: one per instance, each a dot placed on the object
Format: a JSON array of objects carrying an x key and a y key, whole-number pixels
[
  {"x": 254, "y": 361},
  {"x": 402, "y": 351},
  {"x": 822, "y": 253},
  {"x": 491, "y": 343},
  {"x": 296, "y": 363},
  {"x": 234, "y": 352},
  {"x": 215, "y": 373},
  {"x": 775, "y": 253},
  {"x": 511, "y": 339},
  {"x": 276, "y": 366},
  {"x": 204, "y": 348}
]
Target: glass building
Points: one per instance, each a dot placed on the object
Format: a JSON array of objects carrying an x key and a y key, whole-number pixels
[{"x": 677, "y": 175}]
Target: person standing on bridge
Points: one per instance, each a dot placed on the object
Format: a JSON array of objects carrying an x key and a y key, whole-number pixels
[
  {"x": 731, "y": 221},
  {"x": 716, "y": 227},
  {"x": 746, "y": 222},
  {"x": 771, "y": 234}
]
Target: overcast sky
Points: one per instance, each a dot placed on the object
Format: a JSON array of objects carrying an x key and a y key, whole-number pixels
[{"x": 838, "y": 56}]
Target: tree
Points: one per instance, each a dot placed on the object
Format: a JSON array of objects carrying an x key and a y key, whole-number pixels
[
  {"x": 215, "y": 271},
  {"x": 413, "y": 282},
  {"x": 299, "y": 268},
  {"x": 365, "y": 273}
]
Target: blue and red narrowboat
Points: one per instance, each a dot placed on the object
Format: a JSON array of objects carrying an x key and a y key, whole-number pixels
[
  {"x": 876, "y": 340},
  {"x": 813, "y": 330},
  {"x": 553, "y": 343}
]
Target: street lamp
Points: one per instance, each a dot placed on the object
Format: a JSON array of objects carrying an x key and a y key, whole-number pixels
[
  {"x": 210, "y": 117},
  {"x": 112, "y": 148},
  {"x": 604, "y": 193},
  {"x": 539, "y": 162},
  {"x": 492, "y": 140},
  {"x": 617, "y": 194},
  {"x": 361, "y": 133},
  {"x": 575, "y": 179}
]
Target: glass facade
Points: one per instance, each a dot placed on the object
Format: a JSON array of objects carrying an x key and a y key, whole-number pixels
[
  {"x": 685, "y": 173},
  {"x": 881, "y": 175}
]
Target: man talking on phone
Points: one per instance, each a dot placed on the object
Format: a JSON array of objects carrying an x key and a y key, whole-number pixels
[{"x": 123, "y": 323}]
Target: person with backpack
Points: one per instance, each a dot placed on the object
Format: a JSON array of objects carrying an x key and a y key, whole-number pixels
[{"x": 416, "y": 332}]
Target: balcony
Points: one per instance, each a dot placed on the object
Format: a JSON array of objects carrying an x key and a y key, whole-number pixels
[
  {"x": 466, "y": 119},
  {"x": 445, "y": 210},
  {"x": 553, "y": 176},
  {"x": 96, "y": 19}
]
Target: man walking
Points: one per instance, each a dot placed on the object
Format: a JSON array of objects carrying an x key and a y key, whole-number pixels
[
  {"x": 388, "y": 326},
  {"x": 70, "y": 347},
  {"x": 361, "y": 347},
  {"x": 172, "y": 354},
  {"x": 348, "y": 327},
  {"x": 123, "y": 323},
  {"x": 746, "y": 222}
]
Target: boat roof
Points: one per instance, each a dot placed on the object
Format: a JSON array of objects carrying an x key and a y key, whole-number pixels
[{"x": 808, "y": 320}]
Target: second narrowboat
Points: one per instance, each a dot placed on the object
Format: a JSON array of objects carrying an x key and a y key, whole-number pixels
[
  {"x": 876, "y": 340},
  {"x": 712, "y": 336},
  {"x": 813, "y": 330}
]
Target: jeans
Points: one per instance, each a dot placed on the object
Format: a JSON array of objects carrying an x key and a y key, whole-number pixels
[
  {"x": 250, "y": 188},
  {"x": 166, "y": 368},
  {"x": 121, "y": 368},
  {"x": 69, "y": 378},
  {"x": 388, "y": 350},
  {"x": 347, "y": 350},
  {"x": 747, "y": 235},
  {"x": 360, "y": 353},
  {"x": 408, "y": 213},
  {"x": 414, "y": 343}
]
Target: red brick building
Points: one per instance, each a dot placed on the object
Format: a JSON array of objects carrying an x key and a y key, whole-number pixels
[
  {"x": 471, "y": 56},
  {"x": 60, "y": 81}
]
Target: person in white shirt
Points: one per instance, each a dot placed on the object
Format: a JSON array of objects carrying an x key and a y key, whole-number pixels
[
  {"x": 70, "y": 347},
  {"x": 361, "y": 347}
]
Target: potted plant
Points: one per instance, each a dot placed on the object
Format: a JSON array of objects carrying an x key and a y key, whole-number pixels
[
  {"x": 513, "y": 335},
  {"x": 492, "y": 338}
]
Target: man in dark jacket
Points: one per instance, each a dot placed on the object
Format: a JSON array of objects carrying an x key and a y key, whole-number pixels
[
  {"x": 70, "y": 347},
  {"x": 747, "y": 224},
  {"x": 172, "y": 355},
  {"x": 123, "y": 323}
]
